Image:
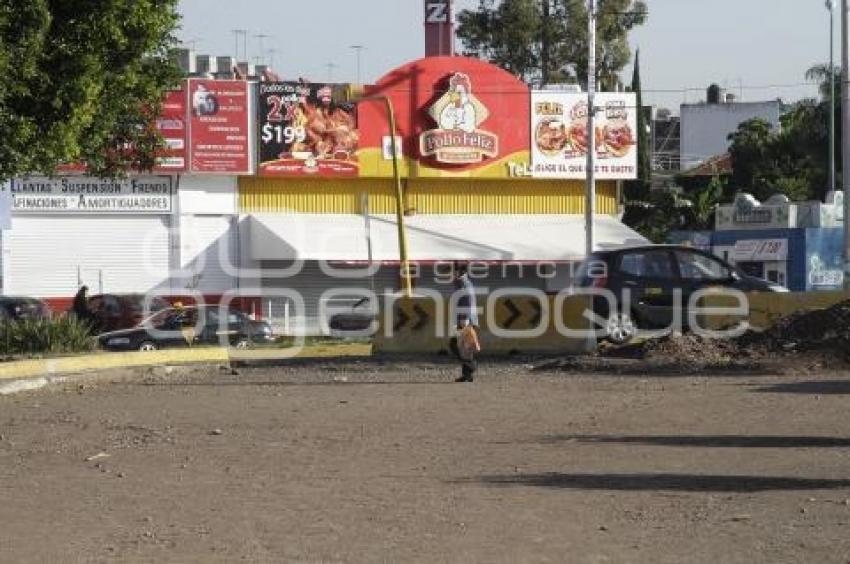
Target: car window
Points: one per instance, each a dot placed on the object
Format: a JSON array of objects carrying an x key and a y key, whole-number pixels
[
  {"x": 591, "y": 269},
  {"x": 695, "y": 266},
  {"x": 111, "y": 305},
  {"x": 647, "y": 264}
]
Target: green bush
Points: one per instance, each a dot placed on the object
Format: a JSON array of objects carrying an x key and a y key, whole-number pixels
[{"x": 32, "y": 337}]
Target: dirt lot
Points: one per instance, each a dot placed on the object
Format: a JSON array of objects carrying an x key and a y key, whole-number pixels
[{"x": 367, "y": 462}]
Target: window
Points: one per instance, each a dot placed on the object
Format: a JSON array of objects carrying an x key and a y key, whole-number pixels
[
  {"x": 647, "y": 264},
  {"x": 694, "y": 266}
]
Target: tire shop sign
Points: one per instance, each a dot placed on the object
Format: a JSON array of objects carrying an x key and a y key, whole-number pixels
[{"x": 86, "y": 195}]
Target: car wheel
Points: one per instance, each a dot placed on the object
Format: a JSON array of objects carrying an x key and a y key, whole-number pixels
[
  {"x": 621, "y": 329},
  {"x": 146, "y": 346},
  {"x": 242, "y": 344}
]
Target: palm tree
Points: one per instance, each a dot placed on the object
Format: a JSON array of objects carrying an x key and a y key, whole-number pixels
[{"x": 821, "y": 75}]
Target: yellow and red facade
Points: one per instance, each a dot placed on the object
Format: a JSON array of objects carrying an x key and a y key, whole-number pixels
[{"x": 477, "y": 169}]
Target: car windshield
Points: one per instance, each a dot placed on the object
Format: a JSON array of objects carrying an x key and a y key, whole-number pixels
[
  {"x": 592, "y": 268},
  {"x": 171, "y": 317}
]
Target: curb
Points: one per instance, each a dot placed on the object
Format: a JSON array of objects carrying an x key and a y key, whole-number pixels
[{"x": 26, "y": 375}]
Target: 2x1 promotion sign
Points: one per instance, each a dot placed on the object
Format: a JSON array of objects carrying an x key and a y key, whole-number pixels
[
  {"x": 218, "y": 127},
  {"x": 83, "y": 194},
  {"x": 559, "y": 136},
  {"x": 306, "y": 130}
]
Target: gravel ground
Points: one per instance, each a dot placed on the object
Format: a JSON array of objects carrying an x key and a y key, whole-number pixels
[{"x": 362, "y": 461}]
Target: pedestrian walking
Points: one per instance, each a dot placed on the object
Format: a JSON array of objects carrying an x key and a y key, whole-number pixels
[
  {"x": 467, "y": 347},
  {"x": 467, "y": 303}
]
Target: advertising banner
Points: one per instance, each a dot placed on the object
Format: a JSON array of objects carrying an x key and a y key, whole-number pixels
[
  {"x": 86, "y": 195},
  {"x": 559, "y": 136},
  {"x": 457, "y": 117},
  {"x": 171, "y": 124},
  {"x": 218, "y": 127},
  {"x": 306, "y": 130}
]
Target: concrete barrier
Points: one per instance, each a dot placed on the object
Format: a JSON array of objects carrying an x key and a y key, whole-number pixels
[
  {"x": 509, "y": 323},
  {"x": 764, "y": 309}
]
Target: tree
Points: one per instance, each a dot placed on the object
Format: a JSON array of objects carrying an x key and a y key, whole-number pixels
[
  {"x": 637, "y": 189},
  {"x": 821, "y": 75},
  {"x": 82, "y": 80},
  {"x": 791, "y": 161},
  {"x": 546, "y": 41},
  {"x": 660, "y": 213}
]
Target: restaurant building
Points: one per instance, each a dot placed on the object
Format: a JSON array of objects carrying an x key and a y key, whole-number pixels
[{"x": 282, "y": 189}]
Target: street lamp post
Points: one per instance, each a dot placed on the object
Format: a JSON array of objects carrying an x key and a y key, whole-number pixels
[
  {"x": 590, "y": 193},
  {"x": 845, "y": 129},
  {"x": 830, "y": 5},
  {"x": 358, "y": 49},
  {"x": 407, "y": 286}
]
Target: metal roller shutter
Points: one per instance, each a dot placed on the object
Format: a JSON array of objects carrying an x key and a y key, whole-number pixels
[
  {"x": 47, "y": 256},
  {"x": 312, "y": 283},
  {"x": 495, "y": 276}
]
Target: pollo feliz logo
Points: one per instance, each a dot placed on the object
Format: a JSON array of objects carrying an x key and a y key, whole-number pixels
[{"x": 458, "y": 113}]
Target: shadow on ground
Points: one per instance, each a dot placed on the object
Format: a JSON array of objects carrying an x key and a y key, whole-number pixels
[
  {"x": 710, "y": 441},
  {"x": 814, "y": 387},
  {"x": 663, "y": 482}
]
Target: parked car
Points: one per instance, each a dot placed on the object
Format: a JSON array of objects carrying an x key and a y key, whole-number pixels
[
  {"x": 359, "y": 318},
  {"x": 652, "y": 274},
  {"x": 15, "y": 308},
  {"x": 186, "y": 326},
  {"x": 111, "y": 312}
]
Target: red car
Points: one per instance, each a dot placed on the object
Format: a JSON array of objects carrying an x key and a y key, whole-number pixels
[{"x": 112, "y": 312}]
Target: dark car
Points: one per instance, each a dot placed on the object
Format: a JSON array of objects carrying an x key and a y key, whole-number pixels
[
  {"x": 187, "y": 326},
  {"x": 111, "y": 312},
  {"x": 653, "y": 275},
  {"x": 13, "y": 308}
]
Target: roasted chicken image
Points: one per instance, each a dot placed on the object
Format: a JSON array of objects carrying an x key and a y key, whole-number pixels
[
  {"x": 551, "y": 136},
  {"x": 330, "y": 132},
  {"x": 618, "y": 138}
]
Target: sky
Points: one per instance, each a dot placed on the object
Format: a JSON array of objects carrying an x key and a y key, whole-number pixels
[{"x": 758, "y": 49}]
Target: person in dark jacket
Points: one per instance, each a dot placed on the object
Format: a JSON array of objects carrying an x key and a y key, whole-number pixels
[
  {"x": 467, "y": 303},
  {"x": 80, "y": 306}
]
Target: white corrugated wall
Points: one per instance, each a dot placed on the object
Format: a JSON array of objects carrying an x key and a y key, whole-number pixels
[
  {"x": 208, "y": 252},
  {"x": 48, "y": 256}
]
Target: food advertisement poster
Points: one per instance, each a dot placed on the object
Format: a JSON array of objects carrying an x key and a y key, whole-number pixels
[
  {"x": 171, "y": 124},
  {"x": 306, "y": 130},
  {"x": 559, "y": 137},
  {"x": 218, "y": 127}
]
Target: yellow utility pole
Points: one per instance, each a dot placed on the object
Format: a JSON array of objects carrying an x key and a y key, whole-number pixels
[{"x": 407, "y": 287}]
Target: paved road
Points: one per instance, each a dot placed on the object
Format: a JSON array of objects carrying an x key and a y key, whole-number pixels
[{"x": 364, "y": 462}]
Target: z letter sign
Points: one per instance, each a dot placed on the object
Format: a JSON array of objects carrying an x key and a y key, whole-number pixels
[{"x": 437, "y": 12}]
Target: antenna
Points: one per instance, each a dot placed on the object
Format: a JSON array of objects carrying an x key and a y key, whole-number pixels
[
  {"x": 331, "y": 67},
  {"x": 358, "y": 49},
  {"x": 192, "y": 43},
  {"x": 261, "y": 37},
  {"x": 236, "y": 34},
  {"x": 272, "y": 56}
]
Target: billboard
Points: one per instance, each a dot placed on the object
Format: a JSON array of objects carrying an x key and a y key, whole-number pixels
[
  {"x": 171, "y": 124},
  {"x": 559, "y": 136},
  {"x": 455, "y": 116},
  {"x": 218, "y": 127},
  {"x": 306, "y": 130}
]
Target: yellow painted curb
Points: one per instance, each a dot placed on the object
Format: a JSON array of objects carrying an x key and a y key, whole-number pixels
[
  {"x": 307, "y": 351},
  {"x": 68, "y": 365}
]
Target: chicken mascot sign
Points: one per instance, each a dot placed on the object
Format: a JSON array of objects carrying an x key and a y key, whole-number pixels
[{"x": 458, "y": 113}]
